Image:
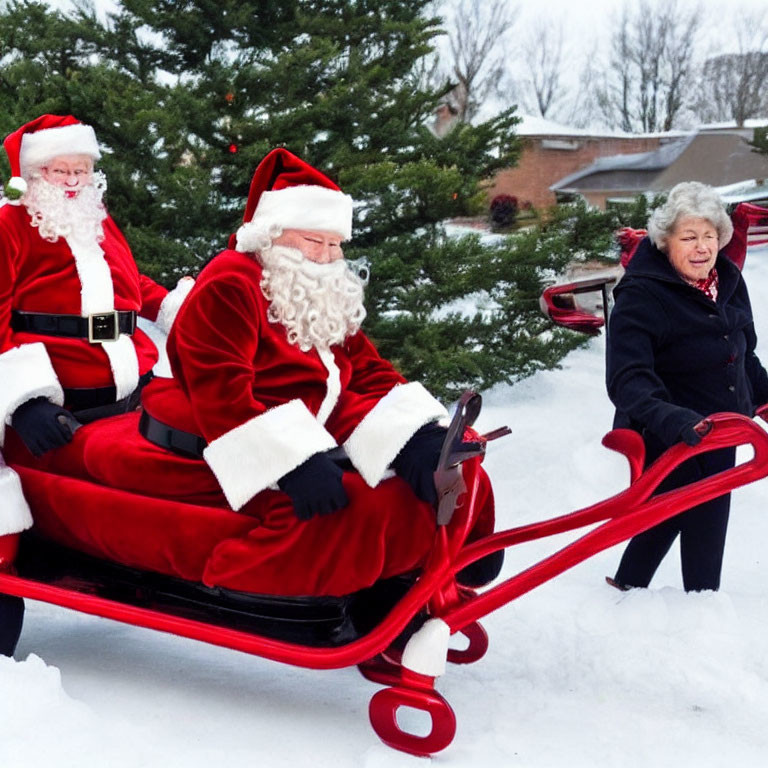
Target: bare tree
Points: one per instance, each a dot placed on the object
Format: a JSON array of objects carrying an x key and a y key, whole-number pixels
[
  {"x": 650, "y": 66},
  {"x": 613, "y": 93},
  {"x": 734, "y": 86},
  {"x": 682, "y": 36},
  {"x": 542, "y": 52},
  {"x": 582, "y": 107},
  {"x": 476, "y": 29}
]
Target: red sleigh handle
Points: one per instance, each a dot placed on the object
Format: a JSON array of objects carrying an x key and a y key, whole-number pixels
[
  {"x": 622, "y": 516},
  {"x": 629, "y": 444},
  {"x": 558, "y": 303}
]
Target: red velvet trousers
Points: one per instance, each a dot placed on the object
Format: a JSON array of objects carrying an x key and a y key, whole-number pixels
[{"x": 113, "y": 494}]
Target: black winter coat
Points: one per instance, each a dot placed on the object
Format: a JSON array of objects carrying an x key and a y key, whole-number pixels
[{"x": 674, "y": 356}]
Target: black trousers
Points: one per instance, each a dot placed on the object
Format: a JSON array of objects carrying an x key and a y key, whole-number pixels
[
  {"x": 11, "y": 618},
  {"x": 702, "y": 532}
]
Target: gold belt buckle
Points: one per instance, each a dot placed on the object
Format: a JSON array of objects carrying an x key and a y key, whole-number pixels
[{"x": 103, "y": 326}]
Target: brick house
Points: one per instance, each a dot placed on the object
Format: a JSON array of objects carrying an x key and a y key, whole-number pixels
[
  {"x": 552, "y": 152},
  {"x": 712, "y": 156}
]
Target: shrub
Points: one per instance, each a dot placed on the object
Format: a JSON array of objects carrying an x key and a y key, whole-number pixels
[{"x": 503, "y": 211}]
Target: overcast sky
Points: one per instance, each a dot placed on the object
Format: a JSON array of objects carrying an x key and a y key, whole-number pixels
[
  {"x": 587, "y": 27},
  {"x": 590, "y": 19}
]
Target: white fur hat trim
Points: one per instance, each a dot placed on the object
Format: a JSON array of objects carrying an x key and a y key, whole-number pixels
[
  {"x": 306, "y": 206},
  {"x": 41, "y": 146}
]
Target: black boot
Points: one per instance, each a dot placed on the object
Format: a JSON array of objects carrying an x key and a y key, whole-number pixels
[
  {"x": 482, "y": 571},
  {"x": 617, "y": 584},
  {"x": 11, "y": 619}
]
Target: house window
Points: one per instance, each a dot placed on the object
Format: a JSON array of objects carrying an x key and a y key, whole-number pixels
[{"x": 559, "y": 144}]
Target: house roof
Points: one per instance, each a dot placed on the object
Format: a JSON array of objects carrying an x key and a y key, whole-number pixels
[
  {"x": 744, "y": 191},
  {"x": 631, "y": 166},
  {"x": 715, "y": 158},
  {"x": 749, "y": 125},
  {"x": 532, "y": 125}
]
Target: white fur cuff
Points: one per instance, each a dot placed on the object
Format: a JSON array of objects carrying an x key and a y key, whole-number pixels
[
  {"x": 14, "y": 510},
  {"x": 387, "y": 427},
  {"x": 170, "y": 305},
  {"x": 427, "y": 650},
  {"x": 26, "y": 372},
  {"x": 252, "y": 456}
]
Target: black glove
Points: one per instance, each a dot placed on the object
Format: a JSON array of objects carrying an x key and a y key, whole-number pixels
[
  {"x": 43, "y": 425},
  {"x": 691, "y": 434},
  {"x": 417, "y": 461},
  {"x": 315, "y": 487}
]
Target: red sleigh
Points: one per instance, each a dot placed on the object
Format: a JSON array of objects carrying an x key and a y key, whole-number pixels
[{"x": 433, "y": 602}]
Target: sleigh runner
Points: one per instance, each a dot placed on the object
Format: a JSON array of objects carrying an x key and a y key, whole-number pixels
[{"x": 367, "y": 629}]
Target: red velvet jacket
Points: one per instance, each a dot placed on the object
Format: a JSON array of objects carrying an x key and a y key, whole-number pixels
[
  {"x": 263, "y": 405},
  {"x": 68, "y": 278}
]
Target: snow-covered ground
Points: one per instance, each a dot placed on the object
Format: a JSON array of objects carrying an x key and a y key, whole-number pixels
[{"x": 577, "y": 675}]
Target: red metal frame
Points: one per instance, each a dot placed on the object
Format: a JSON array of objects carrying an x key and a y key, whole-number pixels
[
  {"x": 621, "y": 516},
  {"x": 9, "y": 547},
  {"x": 417, "y": 692},
  {"x": 626, "y": 514},
  {"x": 569, "y": 314}
]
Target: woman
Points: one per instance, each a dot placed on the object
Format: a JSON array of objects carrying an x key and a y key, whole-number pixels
[{"x": 681, "y": 347}]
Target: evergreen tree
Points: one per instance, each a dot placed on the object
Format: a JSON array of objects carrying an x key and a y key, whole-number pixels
[
  {"x": 760, "y": 140},
  {"x": 187, "y": 98}
]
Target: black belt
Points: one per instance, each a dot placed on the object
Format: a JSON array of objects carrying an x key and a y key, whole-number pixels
[
  {"x": 100, "y": 326},
  {"x": 91, "y": 403},
  {"x": 191, "y": 446},
  {"x": 176, "y": 440}
]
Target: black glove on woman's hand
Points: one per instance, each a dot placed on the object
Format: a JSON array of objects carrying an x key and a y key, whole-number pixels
[
  {"x": 417, "y": 461},
  {"x": 315, "y": 487},
  {"x": 692, "y": 433},
  {"x": 42, "y": 425}
]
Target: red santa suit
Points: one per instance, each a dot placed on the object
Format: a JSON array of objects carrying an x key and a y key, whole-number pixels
[
  {"x": 282, "y": 404},
  {"x": 72, "y": 276},
  {"x": 261, "y": 406}
]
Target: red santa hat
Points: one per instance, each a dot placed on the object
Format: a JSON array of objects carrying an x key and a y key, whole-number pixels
[
  {"x": 291, "y": 194},
  {"x": 42, "y": 139}
]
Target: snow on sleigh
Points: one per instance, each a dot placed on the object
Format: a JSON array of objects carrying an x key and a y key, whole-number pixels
[{"x": 396, "y": 632}]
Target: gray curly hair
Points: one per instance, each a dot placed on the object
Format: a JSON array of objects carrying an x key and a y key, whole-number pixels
[{"x": 690, "y": 198}]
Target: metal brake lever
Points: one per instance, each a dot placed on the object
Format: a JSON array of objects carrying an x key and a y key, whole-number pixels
[
  {"x": 449, "y": 481},
  {"x": 495, "y": 434},
  {"x": 459, "y": 456}
]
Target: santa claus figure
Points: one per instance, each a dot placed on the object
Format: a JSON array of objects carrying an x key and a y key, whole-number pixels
[
  {"x": 70, "y": 293},
  {"x": 281, "y": 414},
  {"x": 276, "y": 387}
]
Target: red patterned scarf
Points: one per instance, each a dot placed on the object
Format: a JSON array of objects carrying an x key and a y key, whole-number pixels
[{"x": 709, "y": 285}]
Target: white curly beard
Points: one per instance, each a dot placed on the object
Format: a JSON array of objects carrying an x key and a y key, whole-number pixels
[
  {"x": 318, "y": 304},
  {"x": 57, "y": 215}
]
